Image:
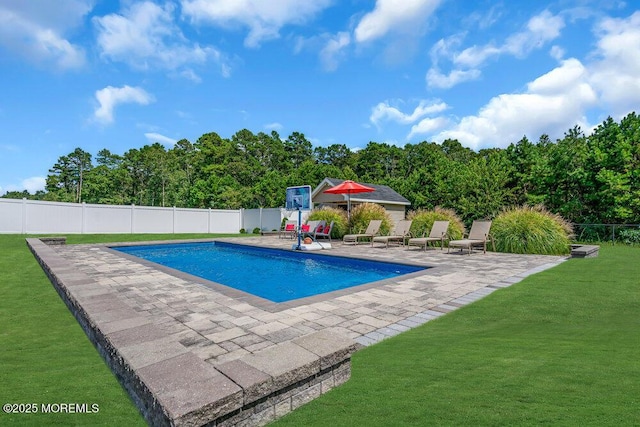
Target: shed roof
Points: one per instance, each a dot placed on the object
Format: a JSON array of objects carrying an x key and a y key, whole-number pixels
[{"x": 382, "y": 194}]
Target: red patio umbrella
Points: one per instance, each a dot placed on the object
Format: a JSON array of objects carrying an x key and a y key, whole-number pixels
[{"x": 349, "y": 187}]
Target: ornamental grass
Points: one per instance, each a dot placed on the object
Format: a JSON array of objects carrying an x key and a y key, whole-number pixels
[
  {"x": 362, "y": 214},
  {"x": 423, "y": 219},
  {"x": 531, "y": 230}
]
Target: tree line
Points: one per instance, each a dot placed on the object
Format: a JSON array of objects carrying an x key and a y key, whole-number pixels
[{"x": 585, "y": 178}]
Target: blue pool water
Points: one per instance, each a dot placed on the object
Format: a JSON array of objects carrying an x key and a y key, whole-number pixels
[{"x": 274, "y": 274}]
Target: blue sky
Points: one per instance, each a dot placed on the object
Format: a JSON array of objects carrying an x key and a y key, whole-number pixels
[{"x": 121, "y": 74}]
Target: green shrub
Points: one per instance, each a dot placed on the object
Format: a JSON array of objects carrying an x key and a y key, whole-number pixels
[
  {"x": 362, "y": 214},
  {"x": 329, "y": 214},
  {"x": 423, "y": 219},
  {"x": 531, "y": 230},
  {"x": 256, "y": 230},
  {"x": 629, "y": 236},
  {"x": 243, "y": 231}
]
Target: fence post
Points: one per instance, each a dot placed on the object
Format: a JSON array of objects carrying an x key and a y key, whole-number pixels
[
  {"x": 209, "y": 221},
  {"x": 173, "y": 226},
  {"x": 613, "y": 234},
  {"x": 24, "y": 215},
  {"x": 133, "y": 216},
  {"x": 82, "y": 224}
]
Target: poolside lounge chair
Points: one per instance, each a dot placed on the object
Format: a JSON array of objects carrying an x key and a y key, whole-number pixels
[
  {"x": 399, "y": 234},
  {"x": 289, "y": 230},
  {"x": 372, "y": 230},
  {"x": 438, "y": 233},
  {"x": 478, "y": 236}
]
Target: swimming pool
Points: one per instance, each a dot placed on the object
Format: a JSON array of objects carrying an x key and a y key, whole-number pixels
[{"x": 273, "y": 274}]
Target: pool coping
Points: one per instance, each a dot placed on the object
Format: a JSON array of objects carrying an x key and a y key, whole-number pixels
[{"x": 171, "y": 383}]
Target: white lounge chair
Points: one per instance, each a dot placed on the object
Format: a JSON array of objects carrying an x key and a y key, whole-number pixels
[
  {"x": 399, "y": 234},
  {"x": 438, "y": 234},
  {"x": 478, "y": 236},
  {"x": 372, "y": 230}
]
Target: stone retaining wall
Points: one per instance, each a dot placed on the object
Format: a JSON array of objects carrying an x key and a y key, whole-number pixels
[{"x": 171, "y": 385}]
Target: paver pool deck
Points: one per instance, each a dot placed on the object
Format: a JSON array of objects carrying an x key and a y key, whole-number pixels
[{"x": 165, "y": 321}]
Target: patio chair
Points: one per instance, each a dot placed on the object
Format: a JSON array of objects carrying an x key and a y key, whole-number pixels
[
  {"x": 478, "y": 236},
  {"x": 372, "y": 230},
  {"x": 399, "y": 234},
  {"x": 438, "y": 233},
  {"x": 314, "y": 227},
  {"x": 326, "y": 232},
  {"x": 289, "y": 230},
  {"x": 304, "y": 228}
]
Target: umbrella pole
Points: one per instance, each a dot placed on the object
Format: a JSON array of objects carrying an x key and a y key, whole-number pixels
[{"x": 349, "y": 211}]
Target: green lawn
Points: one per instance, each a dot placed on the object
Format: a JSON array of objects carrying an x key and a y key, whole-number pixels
[
  {"x": 560, "y": 348},
  {"x": 45, "y": 357}
]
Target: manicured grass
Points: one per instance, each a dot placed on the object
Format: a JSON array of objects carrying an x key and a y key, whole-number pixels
[
  {"x": 45, "y": 357},
  {"x": 560, "y": 348}
]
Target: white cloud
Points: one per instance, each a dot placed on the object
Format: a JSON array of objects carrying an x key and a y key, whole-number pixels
[
  {"x": 486, "y": 18},
  {"x": 189, "y": 74},
  {"x": 273, "y": 126},
  {"x": 557, "y": 52},
  {"x": 540, "y": 29},
  {"x": 110, "y": 97},
  {"x": 333, "y": 51},
  {"x": 33, "y": 184},
  {"x": 36, "y": 30},
  {"x": 436, "y": 79},
  {"x": 156, "y": 137},
  {"x": 616, "y": 74},
  {"x": 385, "y": 112},
  {"x": 264, "y": 19},
  {"x": 475, "y": 56},
  {"x": 60, "y": 16},
  {"x": 556, "y": 101},
  {"x": 145, "y": 36},
  {"x": 552, "y": 103},
  {"x": 394, "y": 16},
  {"x": 428, "y": 126}
]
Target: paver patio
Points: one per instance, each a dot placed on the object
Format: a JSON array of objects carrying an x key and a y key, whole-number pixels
[{"x": 161, "y": 317}]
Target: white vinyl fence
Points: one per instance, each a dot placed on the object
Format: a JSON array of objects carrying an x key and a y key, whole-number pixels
[{"x": 40, "y": 217}]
